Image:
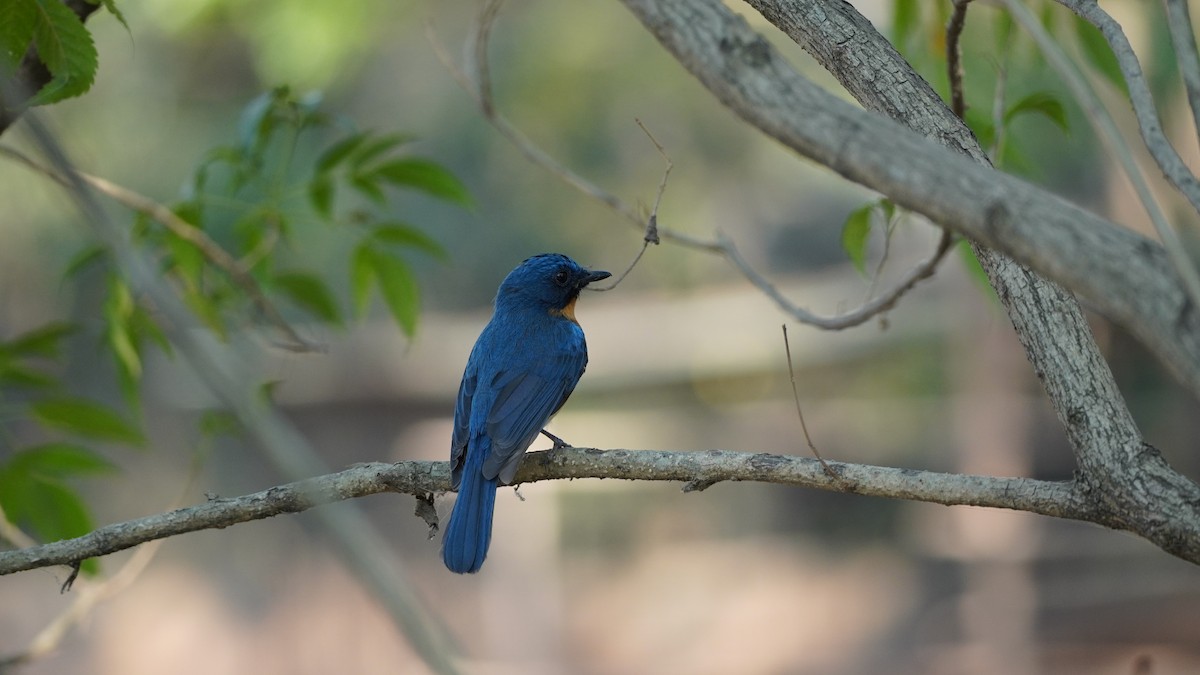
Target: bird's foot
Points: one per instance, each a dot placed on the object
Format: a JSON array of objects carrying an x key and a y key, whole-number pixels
[{"x": 559, "y": 443}]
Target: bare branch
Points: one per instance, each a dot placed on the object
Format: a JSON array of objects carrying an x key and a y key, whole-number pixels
[
  {"x": 211, "y": 250},
  {"x": 954, "y": 29},
  {"x": 1059, "y": 499},
  {"x": 479, "y": 88},
  {"x": 1143, "y": 106},
  {"x": 1179, "y": 23}
]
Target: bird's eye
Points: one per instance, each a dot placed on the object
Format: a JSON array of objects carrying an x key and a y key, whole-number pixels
[{"x": 561, "y": 277}]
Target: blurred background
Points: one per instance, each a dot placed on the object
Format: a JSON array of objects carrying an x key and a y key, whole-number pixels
[{"x": 602, "y": 576}]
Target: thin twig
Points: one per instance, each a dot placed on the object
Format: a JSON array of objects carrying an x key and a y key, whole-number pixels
[
  {"x": 787, "y": 347},
  {"x": 721, "y": 244},
  {"x": 12, "y": 534},
  {"x": 651, "y": 236},
  {"x": 1155, "y": 141},
  {"x": 954, "y": 29},
  {"x": 211, "y": 250},
  {"x": 1179, "y": 23}
]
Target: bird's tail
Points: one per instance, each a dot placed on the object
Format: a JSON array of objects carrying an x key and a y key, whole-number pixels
[{"x": 469, "y": 532}]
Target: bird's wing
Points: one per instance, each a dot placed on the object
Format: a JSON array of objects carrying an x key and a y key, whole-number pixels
[
  {"x": 525, "y": 401},
  {"x": 462, "y": 427}
]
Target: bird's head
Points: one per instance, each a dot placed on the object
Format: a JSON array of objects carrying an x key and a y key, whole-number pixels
[{"x": 549, "y": 280}]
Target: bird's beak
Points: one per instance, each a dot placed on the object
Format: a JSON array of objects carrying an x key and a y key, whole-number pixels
[{"x": 595, "y": 275}]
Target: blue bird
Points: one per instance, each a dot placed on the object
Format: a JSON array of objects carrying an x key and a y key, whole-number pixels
[{"x": 523, "y": 367}]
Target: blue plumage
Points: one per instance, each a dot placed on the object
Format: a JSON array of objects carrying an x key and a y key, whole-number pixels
[{"x": 522, "y": 369}]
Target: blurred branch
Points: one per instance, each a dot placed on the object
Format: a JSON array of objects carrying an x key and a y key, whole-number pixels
[
  {"x": 1147, "y": 117},
  {"x": 479, "y": 88},
  {"x": 211, "y": 250},
  {"x": 420, "y": 478},
  {"x": 1179, "y": 23},
  {"x": 31, "y": 74},
  {"x": 350, "y": 534}
]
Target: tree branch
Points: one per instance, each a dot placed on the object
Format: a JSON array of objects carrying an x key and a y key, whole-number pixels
[
  {"x": 1179, "y": 23},
  {"x": 479, "y": 88},
  {"x": 1124, "y": 275},
  {"x": 1052, "y": 498}
]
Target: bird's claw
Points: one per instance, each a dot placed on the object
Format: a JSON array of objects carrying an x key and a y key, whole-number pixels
[{"x": 559, "y": 443}]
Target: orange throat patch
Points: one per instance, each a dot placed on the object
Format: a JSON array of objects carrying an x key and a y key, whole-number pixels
[{"x": 567, "y": 312}]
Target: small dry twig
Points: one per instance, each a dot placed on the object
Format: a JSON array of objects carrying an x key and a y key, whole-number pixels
[
  {"x": 954, "y": 29},
  {"x": 800, "y": 414}
]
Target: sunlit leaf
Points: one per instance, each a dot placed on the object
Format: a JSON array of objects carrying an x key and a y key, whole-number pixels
[{"x": 87, "y": 419}]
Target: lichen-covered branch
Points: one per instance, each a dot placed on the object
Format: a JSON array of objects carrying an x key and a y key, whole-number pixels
[{"x": 1060, "y": 499}]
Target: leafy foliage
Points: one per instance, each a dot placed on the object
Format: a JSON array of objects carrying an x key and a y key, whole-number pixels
[{"x": 856, "y": 231}]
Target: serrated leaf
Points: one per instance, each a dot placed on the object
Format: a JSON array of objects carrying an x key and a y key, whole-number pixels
[
  {"x": 424, "y": 175},
  {"x": 854, "y": 236},
  {"x": 111, "y": 6},
  {"x": 320, "y": 194},
  {"x": 309, "y": 291},
  {"x": 87, "y": 419},
  {"x": 45, "y": 341},
  {"x": 338, "y": 152},
  {"x": 1097, "y": 53},
  {"x": 362, "y": 275},
  {"x": 401, "y": 234},
  {"x": 59, "y": 460},
  {"x": 399, "y": 290},
  {"x": 17, "y": 21},
  {"x": 1041, "y": 103},
  {"x": 65, "y": 47}
]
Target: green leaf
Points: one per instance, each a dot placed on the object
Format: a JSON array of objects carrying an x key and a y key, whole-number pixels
[
  {"x": 111, "y": 6},
  {"x": 308, "y": 291},
  {"x": 402, "y": 234},
  {"x": 906, "y": 19},
  {"x": 49, "y": 508},
  {"x": 399, "y": 290},
  {"x": 362, "y": 275},
  {"x": 338, "y": 152},
  {"x": 85, "y": 258},
  {"x": 65, "y": 47},
  {"x": 377, "y": 147},
  {"x": 45, "y": 341},
  {"x": 87, "y": 419},
  {"x": 320, "y": 194},
  {"x": 215, "y": 423},
  {"x": 1041, "y": 103},
  {"x": 981, "y": 125},
  {"x": 18, "y": 19},
  {"x": 13, "y": 375},
  {"x": 426, "y": 176},
  {"x": 59, "y": 460},
  {"x": 118, "y": 309},
  {"x": 368, "y": 186},
  {"x": 854, "y": 236},
  {"x": 1097, "y": 53}
]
